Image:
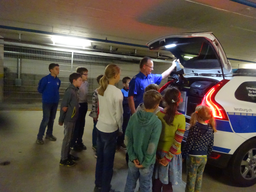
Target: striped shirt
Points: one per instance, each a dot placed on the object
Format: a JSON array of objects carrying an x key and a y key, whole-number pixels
[{"x": 172, "y": 135}]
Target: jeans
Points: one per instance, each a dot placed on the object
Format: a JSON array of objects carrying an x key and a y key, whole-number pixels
[
  {"x": 195, "y": 170},
  {"x": 106, "y": 148},
  {"x": 144, "y": 175},
  {"x": 126, "y": 118},
  {"x": 79, "y": 127},
  {"x": 49, "y": 113},
  {"x": 68, "y": 132},
  {"x": 94, "y": 134}
]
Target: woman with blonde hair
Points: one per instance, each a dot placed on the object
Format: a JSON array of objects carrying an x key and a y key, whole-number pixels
[
  {"x": 109, "y": 123},
  {"x": 198, "y": 146}
]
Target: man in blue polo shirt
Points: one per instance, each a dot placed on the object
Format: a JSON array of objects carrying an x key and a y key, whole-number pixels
[
  {"x": 49, "y": 88},
  {"x": 144, "y": 78}
]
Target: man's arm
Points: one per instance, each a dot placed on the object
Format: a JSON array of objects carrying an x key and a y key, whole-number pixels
[
  {"x": 131, "y": 104},
  {"x": 168, "y": 71}
]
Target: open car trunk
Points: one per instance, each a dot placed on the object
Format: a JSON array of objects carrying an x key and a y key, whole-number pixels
[{"x": 204, "y": 65}]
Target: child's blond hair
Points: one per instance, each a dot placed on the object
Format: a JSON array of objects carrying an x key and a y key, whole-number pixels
[
  {"x": 152, "y": 87},
  {"x": 203, "y": 113}
]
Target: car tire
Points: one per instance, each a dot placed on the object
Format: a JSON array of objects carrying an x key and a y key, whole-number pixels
[{"x": 243, "y": 164}]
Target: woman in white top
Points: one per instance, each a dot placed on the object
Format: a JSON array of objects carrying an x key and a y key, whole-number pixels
[{"x": 109, "y": 124}]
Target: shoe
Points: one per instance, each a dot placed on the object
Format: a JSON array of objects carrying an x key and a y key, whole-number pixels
[
  {"x": 50, "y": 137},
  {"x": 82, "y": 146},
  {"x": 97, "y": 189},
  {"x": 67, "y": 163},
  {"x": 39, "y": 141},
  {"x": 112, "y": 190},
  {"x": 73, "y": 158},
  {"x": 123, "y": 145}
]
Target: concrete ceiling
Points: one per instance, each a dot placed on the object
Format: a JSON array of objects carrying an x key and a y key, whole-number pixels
[{"x": 132, "y": 23}]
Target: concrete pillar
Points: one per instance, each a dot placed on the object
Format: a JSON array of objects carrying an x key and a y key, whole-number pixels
[{"x": 1, "y": 69}]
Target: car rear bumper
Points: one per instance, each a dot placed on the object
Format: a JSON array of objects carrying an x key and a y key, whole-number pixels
[{"x": 219, "y": 159}]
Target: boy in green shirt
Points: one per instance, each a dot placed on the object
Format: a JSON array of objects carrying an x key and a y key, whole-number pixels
[{"x": 142, "y": 136}]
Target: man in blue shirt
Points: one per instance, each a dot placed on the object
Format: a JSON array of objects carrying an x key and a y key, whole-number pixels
[
  {"x": 144, "y": 78},
  {"x": 49, "y": 88}
]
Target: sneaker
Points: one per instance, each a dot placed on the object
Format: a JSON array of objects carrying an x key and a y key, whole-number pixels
[
  {"x": 97, "y": 189},
  {"x": 82, "y": 146},
  {"x": 67, "y": 163},
  {"x": 123, "y": 145},
  {"x": 73, "y": 158},
  {"x": 50, "y": 137},
  {"x": 39, "y": 141}
]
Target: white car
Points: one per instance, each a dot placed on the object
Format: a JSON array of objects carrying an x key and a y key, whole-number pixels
[{"x": 208, "y": 79}]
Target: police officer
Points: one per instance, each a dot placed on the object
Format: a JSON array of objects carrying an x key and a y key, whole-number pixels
[{"x": 144, "y": 78}]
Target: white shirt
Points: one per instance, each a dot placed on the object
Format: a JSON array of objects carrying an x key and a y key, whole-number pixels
[
  {"x": 110, "y": 110},
  {"x": 82, "y": 92}
]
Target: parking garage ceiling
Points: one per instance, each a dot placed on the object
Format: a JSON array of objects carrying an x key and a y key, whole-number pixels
[{"x": 129, "y": 24}]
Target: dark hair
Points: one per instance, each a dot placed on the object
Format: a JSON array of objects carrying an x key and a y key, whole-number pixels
[
  {"x": 125, "y": 79},
  {"x": 144, "y": 61},
  {"x": 172, "y": 97},
  {"x": 152, "y": 87},
  {"x": 151, "y": 98},
  {"x": 74, "y": 76},
  {"x": 98, "y": 78},
  {"x": 81, "y": 70},
  {"x": 52, "y": 65}
]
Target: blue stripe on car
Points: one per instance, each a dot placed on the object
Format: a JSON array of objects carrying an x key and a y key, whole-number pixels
[
  {"x": 221, "y": 149},
  {"x": 223, "y": 126},
  {"x": 243, "y": 122}
]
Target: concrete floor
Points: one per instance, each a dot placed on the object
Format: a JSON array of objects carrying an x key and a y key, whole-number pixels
[{"x": 35, "y": 168}]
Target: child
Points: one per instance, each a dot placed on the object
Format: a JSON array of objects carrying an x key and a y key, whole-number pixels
[
  {"x": 127, "y": 111},
  {"x": 142, "y": 136},
  {"x": 68, "y": 116},
  {"x": 198, "y": 145},
  {"x": 94, "y": 114},
  {"x": 109, "y": 122},
  {"x": 168, "y": 169},
  {"x": 77, "y": 140},
  {"x": 149, "y": 87}
]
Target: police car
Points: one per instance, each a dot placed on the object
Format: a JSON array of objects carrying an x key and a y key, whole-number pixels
[{"x": 208, "y": 79}]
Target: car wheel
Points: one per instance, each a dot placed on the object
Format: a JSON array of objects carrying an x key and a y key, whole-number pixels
[{"x": 243, "y": 164}]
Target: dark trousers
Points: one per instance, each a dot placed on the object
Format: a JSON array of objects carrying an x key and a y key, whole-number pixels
[
  {"x": 49, "y": 113},
  {"x": 79, "y": 127},
  {"x": 106, "y": 147},
  {"x": 94, "y": 134},
  {"x": 159, "y": 186},
  {"x": 126, "y": 118}
]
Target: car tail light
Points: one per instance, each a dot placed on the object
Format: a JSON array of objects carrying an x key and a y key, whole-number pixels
[
  {"x": 165, "y": 86},
  {"x": 215, "y": 155},
  {"x": 209, "y": 100}
]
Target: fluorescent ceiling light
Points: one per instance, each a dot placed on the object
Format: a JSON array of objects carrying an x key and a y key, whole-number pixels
[
  {"x": 188, "y": 57},
  {"x": 70, "y": 41},
  {"x": 170, "y": 46},
  {"x": 247, "y": 66}
]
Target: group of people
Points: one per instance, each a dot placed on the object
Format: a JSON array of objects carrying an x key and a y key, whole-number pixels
[{"x": 133, "y": 119}]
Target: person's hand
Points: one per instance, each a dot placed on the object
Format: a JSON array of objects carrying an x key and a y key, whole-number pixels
[
  {"x": 120, "y": 133},
  {"x": 64, "y": 109},
  {"x": 163, "y": 162},
  {"x": 137, "y": 164},
  {"x": 60, "y": 124}
]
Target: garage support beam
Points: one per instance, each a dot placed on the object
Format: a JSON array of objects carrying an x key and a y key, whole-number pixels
[{"x": 1, "y": 69}]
